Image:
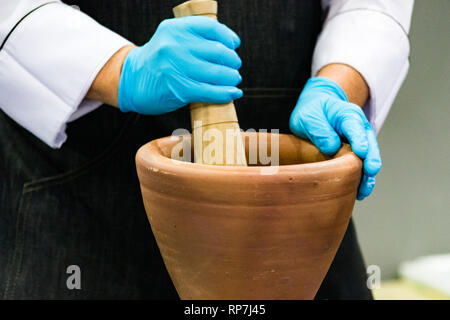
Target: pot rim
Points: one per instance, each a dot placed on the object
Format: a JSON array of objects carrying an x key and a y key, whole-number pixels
[{"x": 151, "y": 157}]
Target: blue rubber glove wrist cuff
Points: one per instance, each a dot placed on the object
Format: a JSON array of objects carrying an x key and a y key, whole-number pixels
[
  {"x": 325, "y": 85},
  {"x": 124, "y": 99}
]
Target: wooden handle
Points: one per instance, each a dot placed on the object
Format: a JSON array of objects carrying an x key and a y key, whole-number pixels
[{"x": 215, "y": 127}]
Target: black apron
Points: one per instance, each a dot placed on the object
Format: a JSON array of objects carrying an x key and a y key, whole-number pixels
[{"x": 81, "y": 205}]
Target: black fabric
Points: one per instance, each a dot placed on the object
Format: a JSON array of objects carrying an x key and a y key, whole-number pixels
[{"x": 81, "y": 204}]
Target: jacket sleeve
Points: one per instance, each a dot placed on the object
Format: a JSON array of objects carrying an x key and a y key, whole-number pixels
[
  {"x": 372, "y": 37},
  {"x": 50, "y": 54}
]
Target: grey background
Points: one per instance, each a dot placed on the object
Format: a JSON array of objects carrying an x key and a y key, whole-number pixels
[{"x": 408, "y": 214}]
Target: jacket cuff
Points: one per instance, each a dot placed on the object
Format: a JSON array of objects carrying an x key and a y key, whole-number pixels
[
  {"x": 47, "y": 66},
  {"x": 376, "y": 46}
]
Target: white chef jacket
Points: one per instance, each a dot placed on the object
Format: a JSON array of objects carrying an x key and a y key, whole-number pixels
[{"x": 51, "y": 54}]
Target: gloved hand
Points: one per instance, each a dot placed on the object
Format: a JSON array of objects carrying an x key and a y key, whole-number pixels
[
  {"x": 323, "y": 115},
  {"x": 189, "y": 59}
]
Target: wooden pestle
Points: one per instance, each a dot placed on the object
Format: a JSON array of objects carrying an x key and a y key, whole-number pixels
[{"x": 210, "y": 120}]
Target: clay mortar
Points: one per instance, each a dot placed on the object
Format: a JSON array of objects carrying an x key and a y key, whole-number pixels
[{"x": 234, "y": 233}]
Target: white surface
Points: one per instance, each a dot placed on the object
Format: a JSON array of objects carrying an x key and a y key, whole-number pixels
[{"x": 432, "y": 271}]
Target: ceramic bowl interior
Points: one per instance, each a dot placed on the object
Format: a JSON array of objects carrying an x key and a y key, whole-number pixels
[{"x": 291, "y": 150}]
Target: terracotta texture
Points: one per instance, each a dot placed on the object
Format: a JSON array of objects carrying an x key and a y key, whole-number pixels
[{"x": 233, "y": 233}]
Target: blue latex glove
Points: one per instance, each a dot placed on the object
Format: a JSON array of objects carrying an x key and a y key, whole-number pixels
[
  {"x": 189, "y": 59},
  {"x": 323, "y": 115}
]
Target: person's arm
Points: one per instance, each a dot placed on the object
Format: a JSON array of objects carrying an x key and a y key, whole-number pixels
[
  {"x": 350, "y": 80},
  {"x": 189, "y": 59},
  {"x": 371, "y": 36},
  {"x": 360, "y": 60},
  {"x": 57, "y": 64},
  {"x": 50, "y": 55},
  {"x": 105, "y": 87}
]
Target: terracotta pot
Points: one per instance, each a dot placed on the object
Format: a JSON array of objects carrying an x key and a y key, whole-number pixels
[{"x": 235, "y": 233}]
